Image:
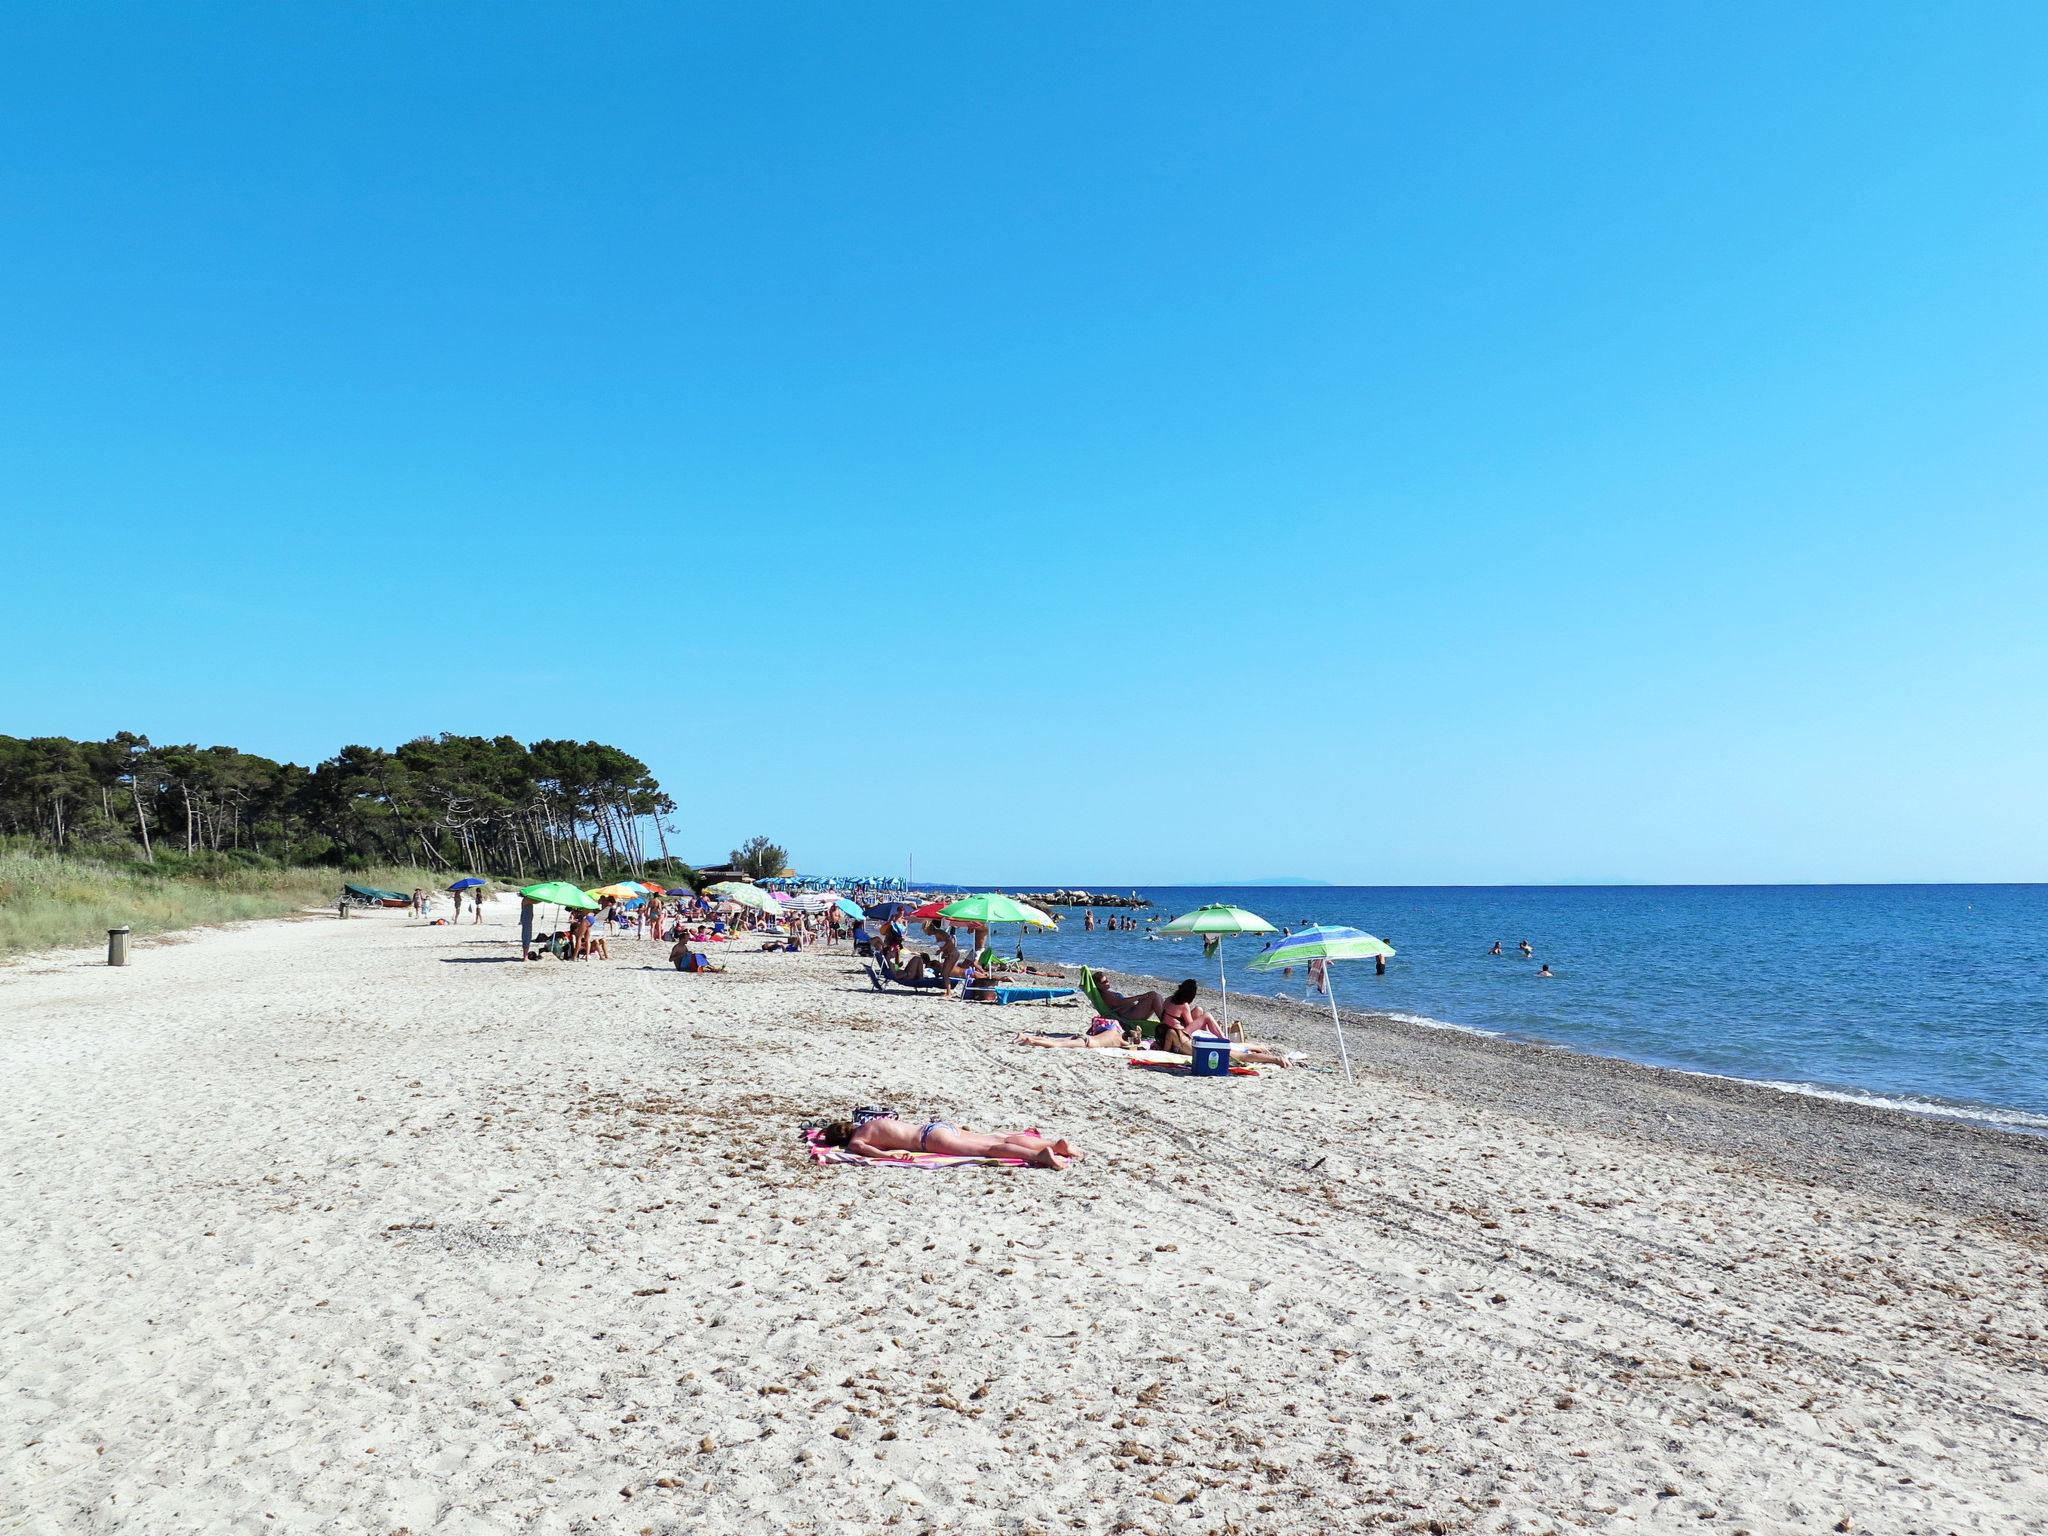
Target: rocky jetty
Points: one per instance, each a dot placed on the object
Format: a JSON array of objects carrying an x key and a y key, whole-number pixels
[{"x": 1066, "y": 898}]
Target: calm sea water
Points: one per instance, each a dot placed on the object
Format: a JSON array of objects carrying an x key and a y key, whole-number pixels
[{"x": 1927, "y": 997}]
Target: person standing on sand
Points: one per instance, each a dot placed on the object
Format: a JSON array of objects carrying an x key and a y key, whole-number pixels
[
  {"x": 526, "y": 927},
  {"x": 476, "y": 905}
]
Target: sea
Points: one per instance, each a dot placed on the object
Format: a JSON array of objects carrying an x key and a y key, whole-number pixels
[{"x": 1927, "y": 998}]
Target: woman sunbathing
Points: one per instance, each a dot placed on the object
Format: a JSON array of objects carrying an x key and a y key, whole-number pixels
[
  {"x": 1103, "y": 1035},
  {"x": 886, "y": 1135},
  {"x": 1131, "y": 1011},
  {"x": 1183, "y": 1018}
]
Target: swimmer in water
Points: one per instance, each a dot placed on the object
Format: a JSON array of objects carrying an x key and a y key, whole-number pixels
[
  {"x": 1496, "y": 948},
  {"x": 1527, "y": 949},
  {"x": 1546, "y": 971}
]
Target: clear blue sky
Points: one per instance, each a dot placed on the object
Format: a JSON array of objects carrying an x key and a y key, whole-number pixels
[{"x": 1121, "y": 443}]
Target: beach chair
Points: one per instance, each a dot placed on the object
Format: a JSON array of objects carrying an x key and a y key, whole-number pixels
[
  {"x": 887, "y": 976},
  {"x": 1091, "y": 984},
  {"x": 1004, "y": 992}
]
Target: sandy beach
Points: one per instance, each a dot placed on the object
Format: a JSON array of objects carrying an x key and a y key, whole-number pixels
[{"x": 365, "y": 1226}]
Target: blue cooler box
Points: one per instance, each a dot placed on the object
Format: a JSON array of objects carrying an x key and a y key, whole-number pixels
[{"x": 1212, "y": 1056}]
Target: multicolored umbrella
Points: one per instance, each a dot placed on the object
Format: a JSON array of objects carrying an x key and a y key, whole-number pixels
[
  {"x": 1220, "y": 918},
  {"x": 747, "y": 896},
  {"x": 1324, "y": 942}
]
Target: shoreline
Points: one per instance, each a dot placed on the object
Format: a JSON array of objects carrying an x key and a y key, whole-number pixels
[{"x": 1795, "y": 1134}]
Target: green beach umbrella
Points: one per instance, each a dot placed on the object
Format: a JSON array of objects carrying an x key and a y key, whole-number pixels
[
  {"x": 1324, "y": 943},
  {"x": 992, "y": 907},
  {"x": 1220, "y": 918},
  {"x": 561, "y": 893}
]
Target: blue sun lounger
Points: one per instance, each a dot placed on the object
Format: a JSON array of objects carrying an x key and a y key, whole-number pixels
[{"x": 1006, "y": 992}]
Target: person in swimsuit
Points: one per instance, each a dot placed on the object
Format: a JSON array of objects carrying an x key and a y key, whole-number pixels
[
  {"x": 1183, "y": 1018},
  {"x": 1134, "y": 1011},
  {"x": 1103, "y": 1035},
  {"x": 886, "y": 1135},
  {"x": 1496, "y": 948},
  {"x": 1547, "y": 971}
]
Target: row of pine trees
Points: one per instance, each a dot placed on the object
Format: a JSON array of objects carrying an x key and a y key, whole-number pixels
[{"x": 460, "y": 803}]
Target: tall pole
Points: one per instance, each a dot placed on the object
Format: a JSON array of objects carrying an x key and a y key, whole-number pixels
[{"x": 1341, "y": 1050}]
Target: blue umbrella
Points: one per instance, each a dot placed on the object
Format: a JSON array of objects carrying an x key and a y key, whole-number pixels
[
  {"x": 465, "y": 883},
  {"x": 885, "y": 910}
]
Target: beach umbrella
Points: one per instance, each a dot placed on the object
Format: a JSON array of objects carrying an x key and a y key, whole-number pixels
[
  {"x": 1220, "y": 918},
  {"x": 883, "y": 911},
  {"x": 465, "y": 883},
  {"x": 1324, "y": 942},
  {"x": 748, "y": 896},
  {"x": 850, "y": 908},
  {"x": 618, "y": 888},
  {"x": 561, "y": 893},
  {"x": 990, "y": 908},
  {"x": 929, "y": 910}
]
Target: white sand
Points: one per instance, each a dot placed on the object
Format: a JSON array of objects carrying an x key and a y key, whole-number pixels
[{"x": 333, "y": 1226}]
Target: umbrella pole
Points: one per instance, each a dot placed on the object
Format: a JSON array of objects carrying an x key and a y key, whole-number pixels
[
  {"x": 1225, "y": 981},
  {"x": 1341, "y": 1049}
]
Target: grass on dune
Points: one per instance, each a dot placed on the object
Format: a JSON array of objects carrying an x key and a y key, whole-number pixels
[{"x": 56, "y": 901}]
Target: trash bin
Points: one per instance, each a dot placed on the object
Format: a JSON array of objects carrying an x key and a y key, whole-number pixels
[{"x": 117, "y": 946}]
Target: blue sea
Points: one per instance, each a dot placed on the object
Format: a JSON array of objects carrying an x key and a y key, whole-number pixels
[{"x": 1930, "y": 997}]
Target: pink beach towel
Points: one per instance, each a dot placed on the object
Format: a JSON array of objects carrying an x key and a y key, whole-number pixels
[{"x": 822, "y": 1154}]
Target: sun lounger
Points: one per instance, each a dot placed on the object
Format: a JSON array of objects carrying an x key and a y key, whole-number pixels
[
  {"x": 1004, "y": 992},
  {"x": 1092, "y": 985},
  {"x": 889, "y": 976}
]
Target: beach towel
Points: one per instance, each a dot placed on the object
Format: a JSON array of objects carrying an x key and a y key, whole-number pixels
[
  {"x": 1166, "y": 1061},
  {"x": 822, "y": 1154}
]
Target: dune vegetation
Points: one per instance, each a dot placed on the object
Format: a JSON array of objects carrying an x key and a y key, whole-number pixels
[{"x": 57, "y": 901}]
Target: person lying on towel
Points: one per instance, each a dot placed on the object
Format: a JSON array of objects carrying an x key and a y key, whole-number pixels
[
  {"x": 1103, "y": 1035},
  {"x": 886, "y": 1136}
]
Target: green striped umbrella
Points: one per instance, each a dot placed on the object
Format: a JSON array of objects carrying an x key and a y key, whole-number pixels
[
  {"x": 1220, "y": 918},
  {"x": 1324, "y": 942}
]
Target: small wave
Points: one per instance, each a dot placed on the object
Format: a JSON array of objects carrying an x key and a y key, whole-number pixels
[
  {"x": 2020, "y": 1119},
  {"x": 1422, "y": 1021}
]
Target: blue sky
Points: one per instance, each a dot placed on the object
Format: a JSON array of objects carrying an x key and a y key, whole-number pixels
[{"x": 1417, "y": 443}]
